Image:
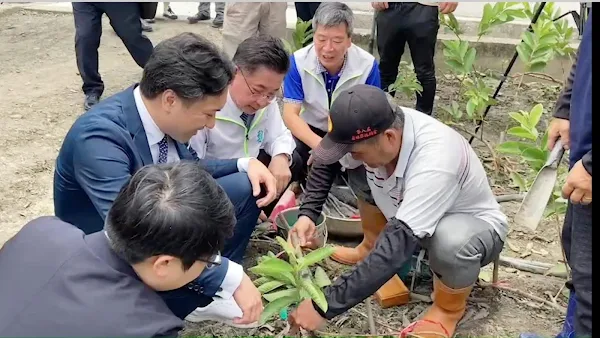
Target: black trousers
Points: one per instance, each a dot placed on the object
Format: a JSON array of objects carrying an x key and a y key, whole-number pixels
[
  {"x": 306, "y": 10},
  {"x": 577, "y": 242},
  {"x": 124, "y": 19},
  {"x": 417, "y": 25}
]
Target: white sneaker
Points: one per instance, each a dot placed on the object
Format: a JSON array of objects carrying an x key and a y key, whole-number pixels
[{"x": 220, "y": 310}]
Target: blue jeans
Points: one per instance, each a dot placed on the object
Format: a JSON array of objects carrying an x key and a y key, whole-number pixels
[{"x": 237, "y": 186}]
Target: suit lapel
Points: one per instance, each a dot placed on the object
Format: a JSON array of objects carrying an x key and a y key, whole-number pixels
[{"x": 134, "y": 124}]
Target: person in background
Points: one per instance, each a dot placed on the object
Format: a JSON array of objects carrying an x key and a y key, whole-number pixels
[
  {"x": 250, "y": 123},
  {"x": 572, "y": 125},
  {"x": 415, "y": 24},
  {"x": 125, "y": 20},
  {"x": 318, "y": 73},
  {"x": 165, "y": 227},
  {"x": 305, "y": 11},
  {"x": 183, "y": 85},
  {"x": 204, "y": 14},
  {"x": 168, "y": 12},
  {"x": 246, "y": 19}
]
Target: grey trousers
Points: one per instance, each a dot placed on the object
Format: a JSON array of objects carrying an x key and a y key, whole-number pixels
[
  {"x": 459, "y": 247},
  {"x": 204, "y": 7}
]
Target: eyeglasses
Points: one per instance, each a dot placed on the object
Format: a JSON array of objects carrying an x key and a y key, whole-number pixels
[
  {"x": 268, "y": 97},
  {"x": 212, "y": 260}
]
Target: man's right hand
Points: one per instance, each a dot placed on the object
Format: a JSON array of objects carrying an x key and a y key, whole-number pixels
[
  {"x": 559, "y": 128},
  {"x": 305, "y": 229},
  {"x": 258, "y": 173},
  {"x": 379, "y": 6}
]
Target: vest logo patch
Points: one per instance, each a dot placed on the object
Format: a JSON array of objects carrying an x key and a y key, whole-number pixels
[{"x": 260, "y": 136}]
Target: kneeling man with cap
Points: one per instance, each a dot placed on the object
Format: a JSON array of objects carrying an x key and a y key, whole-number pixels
[{"x": 433, "y": 190}]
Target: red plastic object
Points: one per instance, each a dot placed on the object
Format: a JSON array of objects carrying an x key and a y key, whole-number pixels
[
  {"x": 355, "y": 217},
  {"x": 287, "y": 200}
]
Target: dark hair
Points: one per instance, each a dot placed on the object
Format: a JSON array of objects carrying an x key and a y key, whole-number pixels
[
  {"x": 189, "y": 65},
  {"x": 262, "y": 51},
  {"x": 170, "y": 209}
]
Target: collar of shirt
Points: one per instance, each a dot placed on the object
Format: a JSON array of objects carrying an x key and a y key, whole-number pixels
[
  {"x": 321, "y": 68},
  {"x": 153, "y": 133}
]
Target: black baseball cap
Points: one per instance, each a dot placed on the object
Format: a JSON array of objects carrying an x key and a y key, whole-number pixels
[{"x": 357, "y": 114}]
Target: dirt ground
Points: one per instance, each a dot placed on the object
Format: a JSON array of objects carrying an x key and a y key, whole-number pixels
[{"x": 41, "y": 97}]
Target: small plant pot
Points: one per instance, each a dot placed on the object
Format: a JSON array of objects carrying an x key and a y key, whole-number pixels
[{"x": 291, "y": 216}]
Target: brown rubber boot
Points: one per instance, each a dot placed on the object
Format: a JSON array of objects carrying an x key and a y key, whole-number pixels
[
  {"x": 440, "y": 320},
  {"x": 373, "y": 222}
]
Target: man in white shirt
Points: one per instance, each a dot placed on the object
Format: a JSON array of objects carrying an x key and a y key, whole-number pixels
[
  {"x": 434, "y": 192},
  {"x": 183, "y": 85},
  {"x": 250, "y": 123}
]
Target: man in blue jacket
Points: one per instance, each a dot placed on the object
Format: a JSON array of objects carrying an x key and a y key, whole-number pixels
[
  {"x": 573, "y": 125},
  {"x": 183, "y": 85}
]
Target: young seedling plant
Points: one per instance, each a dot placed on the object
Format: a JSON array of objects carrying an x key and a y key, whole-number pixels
[{"x": 284, "y": 284}]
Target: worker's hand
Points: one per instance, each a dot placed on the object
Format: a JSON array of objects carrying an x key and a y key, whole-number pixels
[
  {"x": 578, "y": 187},
  {"x": 248, "y": 298},
  {"x": 447, "y": 7},
  {"x": 305, "y": 229},
  {"x": 259, "y": 174},
  {"x": 280, "y": 168},
  {"x": 306, "y": 317},
  {"x": 379, "y": 6},
  {"x": 559, "y": 128}
]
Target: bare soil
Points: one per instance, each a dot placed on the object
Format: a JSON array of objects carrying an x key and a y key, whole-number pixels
[{"x": 41, "y": 97}]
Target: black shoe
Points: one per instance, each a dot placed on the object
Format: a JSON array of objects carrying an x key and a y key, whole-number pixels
[
  {"x": 218, "y": 21},
  {"x": 146, "y": 27},
  {"x": 169, "y": 14},
  {"x": 90, "y": 100},
  {"x": 198, "y": 17}
]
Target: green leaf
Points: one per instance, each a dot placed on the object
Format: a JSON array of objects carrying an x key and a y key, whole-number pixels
[
  {"x": 511, "y": 147},
  {"x": 519, "y": 181},
  {"x": 287, "y": 247},
  {"x": 261, "y": 281},
  {"x": 471, "y": 106},
  {"x": 275, "y": 268},
  {"x": 316, "y": 294},
  {"x": 535, "y": 114},
  {"x": 321, "y": 278},
  {"x": 519, "y": 118},
  {"x": 522, "y": 133},
  {"x": 270, "y": 286},
  {"x": 275, "y": 307},
  {"x": 273, "y": 296},
  {"x": 534, "y": 155},
  {"x": 315, "y": 257},
  {"x": 469, "y": 60}
]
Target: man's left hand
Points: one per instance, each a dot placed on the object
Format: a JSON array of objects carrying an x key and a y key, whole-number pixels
[
  {"x": 249, "y": 299},
  {"x": 447, "y": 7},
  {"x": 280, "y": 168},
  {"x": 306, "y": 317},
  {"x": 578, "y": 187}
]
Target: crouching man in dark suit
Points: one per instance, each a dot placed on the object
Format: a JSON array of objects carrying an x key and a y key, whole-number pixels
[
  {"x": 184, "y": 84},
  {"x": 165, "y": 227}
]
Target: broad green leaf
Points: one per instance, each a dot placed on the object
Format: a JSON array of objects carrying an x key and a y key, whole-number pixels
[
  {"x": 534, "y": 154},
  {"x": 287, "y": 247},
  {"x": 558, "y": 268},
  {"x": 272, "y": 265},
  {"x": 522, "y": 133},
  {"x": 519, "y": 181},
  {"x": 270, "y": 286},
  {"x": 512, "y": 147},
  {"x": 304, "y": 294},
  {"x": 315, "y": 257},
  {"x": 469, "y": 59},
  {"x": 544, "y": 141},
  {"x": 261, "y": 281},
  {"x": 316, "y": 294},
  {"x": 275, "y": 307},
  {"x": 273, "y": 296},
  {"x": 321, "y": 278},
  {"x": 535, "y": 114},
  {"x": 537, "y": 67},
  {"x": 471, "y": 106},
  {"x": 519, "y": 118}
]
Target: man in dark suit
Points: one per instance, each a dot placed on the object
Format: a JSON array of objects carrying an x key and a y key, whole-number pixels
[
  {"x": 183, "y": 85},
  {"x": 125, "y": 20},
  {"x": 165, "y": 228}
]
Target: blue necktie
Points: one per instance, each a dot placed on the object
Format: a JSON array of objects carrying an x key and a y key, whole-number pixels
[{"x": 163, "y": 150}]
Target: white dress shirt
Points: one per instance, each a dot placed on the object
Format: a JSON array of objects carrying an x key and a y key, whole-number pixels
[{"x": 235, "y": 273}]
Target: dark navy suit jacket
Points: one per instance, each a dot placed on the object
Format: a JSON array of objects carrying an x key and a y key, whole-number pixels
[{"x": 103, "y": 148}]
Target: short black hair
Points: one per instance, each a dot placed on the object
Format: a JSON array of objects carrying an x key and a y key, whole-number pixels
[
  {"x": 262, "y": 51},
  {"x": 170, "y": 209},
  {"x": 189, "y": 65}
]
